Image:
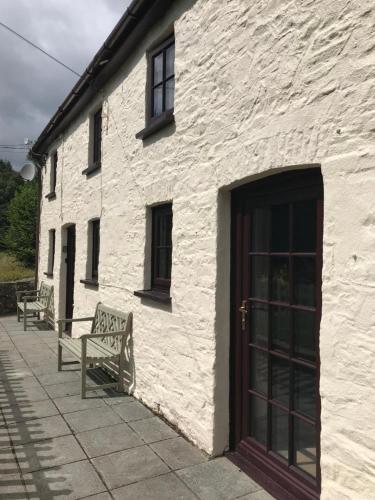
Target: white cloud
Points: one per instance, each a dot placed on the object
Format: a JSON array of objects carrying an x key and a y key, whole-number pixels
[{"x": 31, "y": 85}]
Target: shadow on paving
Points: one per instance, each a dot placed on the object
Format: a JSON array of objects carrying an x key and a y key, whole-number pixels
[{"x": 20, "y": 426}]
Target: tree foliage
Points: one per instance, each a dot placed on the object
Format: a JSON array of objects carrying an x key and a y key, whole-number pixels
[
  {"x": 10, "y": 181},
  {"x": 21, "y": 215}
]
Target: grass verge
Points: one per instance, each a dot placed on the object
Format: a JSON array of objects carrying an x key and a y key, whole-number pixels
[{"x": 12, "y": 270}]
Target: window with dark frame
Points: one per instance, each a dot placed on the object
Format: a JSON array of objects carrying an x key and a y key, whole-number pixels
[
  {"x": 162, "y": 220},
  {"x": 97, "y": 138},
  {"x": 54, "y": 172},
  {"x": 95, "y": 249},
  {"x": 51, "y": 252},
  {"x": 162, "y": 84}
]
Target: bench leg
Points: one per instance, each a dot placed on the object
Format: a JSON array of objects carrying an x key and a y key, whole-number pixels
[
  {"x": 59, "y": 357},
  {"x": 120, "y": 383},
  {"x": 24, "y": 320},
  {"x": 18, "y": 315},
  {"x": 83, "y": 379}
]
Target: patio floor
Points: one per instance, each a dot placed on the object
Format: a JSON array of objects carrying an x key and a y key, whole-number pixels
[{"x": 53, "y": 444}]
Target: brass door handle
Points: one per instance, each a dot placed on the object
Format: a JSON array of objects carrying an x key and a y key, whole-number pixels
[{"x": 243, "y": 311}]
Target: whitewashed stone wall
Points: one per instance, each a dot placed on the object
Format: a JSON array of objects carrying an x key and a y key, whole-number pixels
[{"x": 260, "y": 86}]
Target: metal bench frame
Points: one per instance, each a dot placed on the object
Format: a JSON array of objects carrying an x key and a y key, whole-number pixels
[
  {"x": 33, "y": 302},
  {"x": 106, "y": 342}
]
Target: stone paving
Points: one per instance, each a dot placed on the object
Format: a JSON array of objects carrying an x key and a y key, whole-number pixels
[{"x": 54, "y": 445}]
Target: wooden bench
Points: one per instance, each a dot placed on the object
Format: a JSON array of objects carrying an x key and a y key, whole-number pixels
[
  {"x": 106, "y": 342},
  {"x": 34, "y": 302}
]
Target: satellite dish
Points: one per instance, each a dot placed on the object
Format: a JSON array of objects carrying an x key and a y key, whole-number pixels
[{"x": 28, "y": 171}]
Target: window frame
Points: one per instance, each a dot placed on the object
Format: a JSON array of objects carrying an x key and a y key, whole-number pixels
[
  {"x": 51, "y": 252},
  {"x": 159, "y": 283},
  {"x": 95, "y": 148},
  {"x": 54, "y": 158},
  {"x": 95, "y": 248}
]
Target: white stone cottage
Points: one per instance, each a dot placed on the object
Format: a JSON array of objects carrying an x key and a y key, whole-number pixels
[{"x": 213, "y": 171}]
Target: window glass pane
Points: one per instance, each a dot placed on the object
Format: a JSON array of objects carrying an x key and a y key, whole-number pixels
[
  {"x": 169, "y": 54},
  {"x": 259, "y": 277},
  {"x": 304, "y": 281},
  {"x": 258, "y": 419},
  {"x": 280, "y": 380},
  {"x": 280, "y": 328},
  {"x": 304, "y": 226},
  {"x": 158, "y": 68},
  {"x": 163, "y": 263},
  {"x": 280, "y": 279},
  {"x": 259, "y": 324},
  {"x": 158, "y": 101},
  {"x": 260, "y": 230},
  {"x": 304, "y": 334},
  {"x": 305, "y": 447},
  {"x": 304, "y": 390},
  {"x": 164, "y": 230},
  {"x": 280, "y": 431},
  {"x": 258, "y": 371},
  {"x": 280, "y": 228},
  {"x": 169, "y": 94}
]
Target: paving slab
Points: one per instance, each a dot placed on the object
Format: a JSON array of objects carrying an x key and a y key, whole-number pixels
[
  {"x": 131, "y": 412},
  {"x": 33, "y": 430},
  {"x": 29, "y": 411},
  {"x": 166, "y": 487},
  {"x": 93, "y": 418},
  {"x": 258, "y": 495},
  {"x": 70, "y": 404},
  {"x": 50, "y": 453},
  {"x": 153, "y": 429},
  {"x": 12, "y": 487},
  {"x": 115, "y": 398},
  {"x": 23, "y": 395},
  {"x": 178, "y": 453},
  {"x": 100, "y": 496},
  {"x": 70, "y": 482},
  {"x": 218, "y": 479},
  {"x": 64, "y": 389},
  {"x": 58, "y": 377},
  {"x": 108, "y": 440},
  {"x": 8, "y": 464},
  {"x": 129, "y": 466}
]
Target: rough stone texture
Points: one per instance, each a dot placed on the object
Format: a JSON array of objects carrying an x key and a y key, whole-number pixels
[
  {"x": 8, "y": 289},
  {"x": 260, "y": 87}
]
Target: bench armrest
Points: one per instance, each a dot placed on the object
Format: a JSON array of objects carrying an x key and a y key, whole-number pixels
[
  {"x": 19, "y": 293},
  {"x": 63, "y": 321},
  {"x": 26, "y": 298}
]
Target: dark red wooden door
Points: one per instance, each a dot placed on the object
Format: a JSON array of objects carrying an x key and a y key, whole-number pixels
[
  {"x": 277, "y": 261},
  {"x": 70, "y": 267}
]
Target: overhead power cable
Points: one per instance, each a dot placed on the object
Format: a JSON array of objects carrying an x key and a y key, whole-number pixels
[{"x": 39, "y": 48}]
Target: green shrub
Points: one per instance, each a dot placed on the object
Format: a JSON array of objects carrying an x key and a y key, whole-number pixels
[
  {"x": 20, "y": 234},
  {"x": 10, "y": 181},
  {"x": 12, "y": 270}
]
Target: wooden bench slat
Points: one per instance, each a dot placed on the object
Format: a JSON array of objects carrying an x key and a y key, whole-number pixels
[{"x": 93, "y": 351}]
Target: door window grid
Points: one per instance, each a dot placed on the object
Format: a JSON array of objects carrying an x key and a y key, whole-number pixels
[{"x": 286, "y": 409}]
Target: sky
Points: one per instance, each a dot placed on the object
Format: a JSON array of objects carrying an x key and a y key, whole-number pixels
[{"x": 33, "y": 86}]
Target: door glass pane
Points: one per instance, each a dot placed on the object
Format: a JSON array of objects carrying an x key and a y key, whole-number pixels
[
  {"x": 169, "y": 94},
  {"x": 304, "y": 390},
  {"x": 260, "y": 230},
  {"x": 280, "y": 279},
  {"x": 158, "y": 101},
  {"x": 280, "y": 228},
  {"x": 258, "y": 371},
  {"x": 280, "y": 431},
  {"x": 304, "y": 334},
  {"x": 158, "y": 69},
  {"x": 280, "y": 380},
  {"x": 259, "y": 277},
  {"x": 169, "y": 54},
  {"x": 258, "y": 419},
  {"x": 304, "y": 226},
  {"x": 304, "y": 281},
  {"x": 259, "y": 324},
  {"x": 305, "y": 446},
  {"x": 280, "y": 328}
]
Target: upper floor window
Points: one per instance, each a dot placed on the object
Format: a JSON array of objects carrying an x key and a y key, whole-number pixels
[
  {"x": 160, "y": 88},
  {"x": 162, "y": 78},
  {"x": 97, "y": 138},
  {"x": 53, "y": 176},
  {"x": 95, "y": 142}
]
